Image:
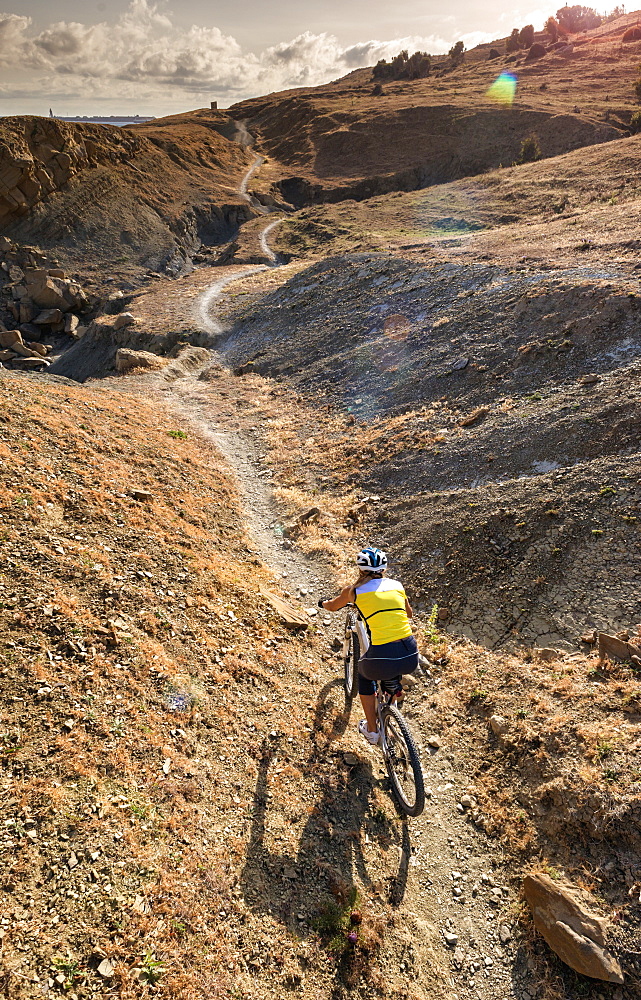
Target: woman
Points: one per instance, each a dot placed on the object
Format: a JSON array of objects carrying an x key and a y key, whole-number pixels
[{"x": 387, "y": 614}]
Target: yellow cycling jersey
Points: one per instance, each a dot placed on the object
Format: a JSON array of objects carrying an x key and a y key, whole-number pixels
[{"x": 382, "y": 605}]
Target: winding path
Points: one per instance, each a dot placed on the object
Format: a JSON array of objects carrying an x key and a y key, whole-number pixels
[
  {"x": 205, "y": 305},
  {"x": 440, "y": 850}
]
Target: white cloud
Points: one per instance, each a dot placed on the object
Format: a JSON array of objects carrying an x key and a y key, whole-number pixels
[{"x": 144, "y": 57}]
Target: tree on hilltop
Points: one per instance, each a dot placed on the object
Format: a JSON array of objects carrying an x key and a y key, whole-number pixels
[
  {"x": 552, "y": 28},
  {"x": 513, "y": 44},
  {"x": 578, "y": 18},
  {"x": 526, "y": 36},
  {"x": 457, "y": 53},
  {"x": 404, "y": 67}
]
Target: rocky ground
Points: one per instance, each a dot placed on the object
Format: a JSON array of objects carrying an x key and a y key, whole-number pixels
[{"x": 452, "y": 373}]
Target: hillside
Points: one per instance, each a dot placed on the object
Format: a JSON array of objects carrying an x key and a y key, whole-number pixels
[
  {"x": 407, "y": 339},
  {"x": 143, "y": 196},
  {"x": 342, "y": 140}
]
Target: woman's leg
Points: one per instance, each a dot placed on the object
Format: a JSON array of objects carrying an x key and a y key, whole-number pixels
[
  {"x": 368, "y": 701},
  {"x": 367, "y": 694}
]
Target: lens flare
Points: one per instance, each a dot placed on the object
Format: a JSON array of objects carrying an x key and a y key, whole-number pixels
[
  {"x": 503, "y": 90},
  {"x": 397, "y": 327}
]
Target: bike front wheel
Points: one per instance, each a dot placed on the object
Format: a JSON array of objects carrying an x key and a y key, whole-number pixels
[
  {"x": 351, "y": 656},
  {"x": 402, "y": 762}
]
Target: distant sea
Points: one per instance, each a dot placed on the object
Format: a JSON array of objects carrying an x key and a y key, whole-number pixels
[{"x": 114, "y": 120}]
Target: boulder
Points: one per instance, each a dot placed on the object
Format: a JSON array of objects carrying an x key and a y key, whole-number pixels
[
  {"x": 31, "y": 331},
  {"x": 32, "y": 362},
  {"x": 536, "y": 51},
  {"x": 71, "y": 323},
  {"x": 26, "y": 312},
  {"x": 609, "y": 645},
  {"x": 499, "y": 725},
  {"x": 48, "y": 317},
  {"x": 127, "y": 360},
  {"x": 123, "y": 319},
  {"x": 573, "y": 932},
  {"x": 23, "y": 350},
  {"x": 41, "y": 349},
  {"x": 7, "y": 355},
  {"x": 10, "y": 337},
  {"x": 547, "y": 653},
  {"x": 54, "y": 293}
]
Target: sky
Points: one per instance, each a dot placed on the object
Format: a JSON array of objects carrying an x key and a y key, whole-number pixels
[{"x": 156, "y": 57}]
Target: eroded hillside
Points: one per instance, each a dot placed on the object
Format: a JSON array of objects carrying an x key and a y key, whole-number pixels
[{"x": 143, "y": 196}]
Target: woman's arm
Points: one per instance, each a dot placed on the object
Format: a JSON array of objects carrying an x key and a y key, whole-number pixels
[
  {"x": 408, "y": 609},
  {"x": 345, "y": 597}
]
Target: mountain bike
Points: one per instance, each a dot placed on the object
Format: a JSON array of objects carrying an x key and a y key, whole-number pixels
[{"x": 396, "y": 742}]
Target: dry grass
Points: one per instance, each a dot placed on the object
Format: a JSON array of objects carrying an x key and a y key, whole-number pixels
[{"x": 128, "y": 631}]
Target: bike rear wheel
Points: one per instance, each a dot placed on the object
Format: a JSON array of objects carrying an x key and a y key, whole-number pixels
[
  {"x": 351, "y": 656},
  {"x": 403, "y": 762}
]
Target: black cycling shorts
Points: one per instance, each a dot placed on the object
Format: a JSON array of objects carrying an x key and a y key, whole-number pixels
[{"x": 387, "y": 663}]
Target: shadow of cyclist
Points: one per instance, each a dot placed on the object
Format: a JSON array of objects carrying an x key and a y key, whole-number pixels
[{"x": 340, "y": 830}]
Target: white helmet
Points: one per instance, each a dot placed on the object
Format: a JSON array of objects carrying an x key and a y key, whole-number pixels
[{"x": 371, "y": 560}]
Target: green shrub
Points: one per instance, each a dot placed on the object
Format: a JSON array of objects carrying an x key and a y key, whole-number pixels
[
  {"x": 635, "y": 121},
  {"x": 530, "y": 150},
  {"x": 637, "y": 87},
  {"x": 578, "y": 18},
  {"x": 552, "y": 28},
  {"x": 457, "y": 53}
]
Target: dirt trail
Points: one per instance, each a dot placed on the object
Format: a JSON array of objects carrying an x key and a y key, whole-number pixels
[
  {"x": 448, "y": 887},
  {"x": 443, "y": 877},
  {"x": 192, "y": 399}
]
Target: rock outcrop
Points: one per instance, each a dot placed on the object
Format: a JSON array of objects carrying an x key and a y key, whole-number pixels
[
  {"x": 36, "y": 301},
  {"x": 127, "y": 360},
  {"x": 150, "y": 194},
  {"x": 574, "y": 932},
  {"x": 41, "y": 155}
]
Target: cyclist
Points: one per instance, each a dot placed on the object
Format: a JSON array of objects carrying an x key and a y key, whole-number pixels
[{"x": 393, "y": 652}]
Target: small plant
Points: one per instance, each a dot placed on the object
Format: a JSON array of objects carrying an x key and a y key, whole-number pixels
[
  {"x": 334, "y": 922},
  {"x": 603, "y": 749},
  {"x": 150, "y": 969},
  {"x": 178, "y": 435},
  {"x": 69, "y": 968},
  {"x": 635, "y": 122},
  {"x": 431, "y": 630},
  {"x": 530, "y": 150},
  {"x": 606, "y": 490},
  {"x": 478, "y": 695}
]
